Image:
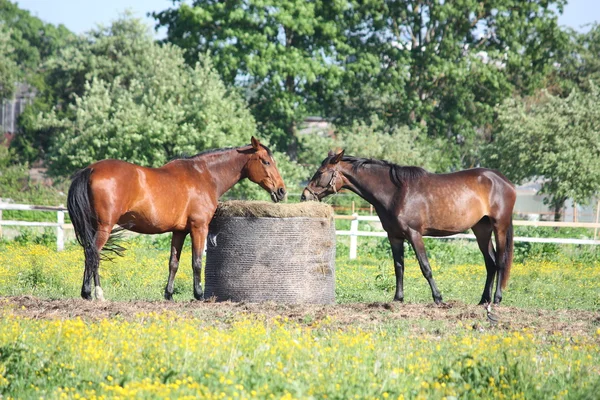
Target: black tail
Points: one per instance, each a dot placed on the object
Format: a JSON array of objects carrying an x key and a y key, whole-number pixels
[
  {"x": 84, "y": 220},
  {"x": 83, "y": 217}
]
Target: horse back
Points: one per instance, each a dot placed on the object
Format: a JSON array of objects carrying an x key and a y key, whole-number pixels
[
  {"x": 482, "y": 186},
  {"x": 454, "y": 202}
]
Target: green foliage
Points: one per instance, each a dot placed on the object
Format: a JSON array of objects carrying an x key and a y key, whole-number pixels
[
  {"x": 401, "y": 145},
  {"x": 579, "y": 65},
  {"x": 32, "y": 40},
  {"x": 553, "y": 139},
  {"x": 8, "y": 67},
  {"x": 154, "y": 109},
  {"x": 17, "y": 185},
  {"x": 280, "y": 52},
  {"x": 26, "y": 42},
  {"x": 444, "y": 65}
]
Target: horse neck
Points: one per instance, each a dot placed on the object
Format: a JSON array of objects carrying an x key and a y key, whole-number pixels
[
  {"x": 371, "y": 183},
  {"x": 225, "y": 167}
]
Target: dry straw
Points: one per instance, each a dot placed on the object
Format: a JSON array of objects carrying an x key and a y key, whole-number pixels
[{"x": 264, "y": 209}]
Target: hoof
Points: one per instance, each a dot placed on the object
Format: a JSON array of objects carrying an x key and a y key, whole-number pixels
[
  {"x": 492, "y": 318},
  {"x": 399, "y": 299},
  {"x": 86, "y": 295},
  {"x": 168, "y": 296},
  {"x": 99, "y": 294},
  {"x": 199, "y": 296},
  {"x": 441, "y": 304}
]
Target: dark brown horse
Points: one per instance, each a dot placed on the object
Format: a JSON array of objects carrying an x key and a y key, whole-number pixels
[
  {"x": 179, "y": 197},
  {"x": 412, "y": 203}
]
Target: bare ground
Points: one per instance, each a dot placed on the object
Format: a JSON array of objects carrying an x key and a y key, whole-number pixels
[{"x": 357, "y": 314}]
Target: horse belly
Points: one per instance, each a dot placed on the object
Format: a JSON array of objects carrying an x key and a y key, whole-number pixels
[
  {"x": 455, "y": 219},
  {"x": 150, "y": 222}
]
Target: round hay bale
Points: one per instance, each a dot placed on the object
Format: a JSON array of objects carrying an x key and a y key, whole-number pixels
[{"x": 259, "y": 251}]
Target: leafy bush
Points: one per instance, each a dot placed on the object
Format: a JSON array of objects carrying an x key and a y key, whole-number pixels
[{"x": 401, "y": 145}]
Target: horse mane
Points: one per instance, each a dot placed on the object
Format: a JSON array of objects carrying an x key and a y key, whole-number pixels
[
  {"x": 399, "y": 174},
  {"x": 211, "y": 151}
]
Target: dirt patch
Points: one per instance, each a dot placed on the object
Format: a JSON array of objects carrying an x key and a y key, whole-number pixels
[{"x": 357, "y": 314}]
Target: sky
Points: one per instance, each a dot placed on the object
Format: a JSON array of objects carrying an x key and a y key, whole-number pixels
[{"x": 80, "y": 16}]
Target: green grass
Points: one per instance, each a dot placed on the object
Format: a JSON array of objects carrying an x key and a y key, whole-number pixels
[
  {"x": 561, "y": 281},
  {"x": 346, "y": 351}
]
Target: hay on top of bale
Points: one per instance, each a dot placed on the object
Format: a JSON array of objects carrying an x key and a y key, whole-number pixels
[{"x": 264, "y": 209}]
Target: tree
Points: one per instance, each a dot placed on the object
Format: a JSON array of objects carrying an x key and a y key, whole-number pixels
[
  {"x": 440, "y": 65},
  {"x": 31, "y": 43},
  {"x": 579, "y": 62},
  {"x": 8, "y": 68},
  {"x": 136, "y": 100},
  {"x": 141, "y": 103},
  {"x": 402, "y": 145},
  {"x": 445, "y": 65},
  {"x": 32, "y": 40},
  {"x": 278, "y": 51},
  {"x": 553, "y": 139}
]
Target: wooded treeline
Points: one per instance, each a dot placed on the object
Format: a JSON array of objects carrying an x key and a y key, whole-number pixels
[{"x": 445, "y": 85}]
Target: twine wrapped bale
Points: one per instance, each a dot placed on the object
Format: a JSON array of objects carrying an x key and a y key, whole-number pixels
[{"x": 260, "y": 251}]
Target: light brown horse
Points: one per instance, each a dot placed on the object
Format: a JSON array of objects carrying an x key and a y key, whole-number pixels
[
  {"x": 179, "y": 197},
  {"x": 412, "y": 203}
]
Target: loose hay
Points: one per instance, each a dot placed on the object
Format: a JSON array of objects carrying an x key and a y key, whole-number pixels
[
  {"x": 259, "y": 251},
  {"x": 264, "y": 209}
]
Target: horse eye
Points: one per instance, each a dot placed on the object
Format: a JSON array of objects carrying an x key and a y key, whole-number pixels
[{"x": 266, "y": 162}]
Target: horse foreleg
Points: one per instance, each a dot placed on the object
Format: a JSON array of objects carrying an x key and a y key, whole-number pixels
[
  {"x": 398, "y": 254},
  {"x": 416, "y": 241},
  {"x": 176, "y": 245},
  {"x": 198, "y": 233}
]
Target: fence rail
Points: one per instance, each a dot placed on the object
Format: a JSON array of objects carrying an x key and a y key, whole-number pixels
[
  {"x": 354, "y": 232},
  {"x": 59, "y": 224}
]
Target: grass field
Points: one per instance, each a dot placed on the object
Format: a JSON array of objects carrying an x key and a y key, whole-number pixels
[{"x": 53, "y": 345}]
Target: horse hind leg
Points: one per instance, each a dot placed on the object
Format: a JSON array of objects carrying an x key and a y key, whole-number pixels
[
  {"x": 92, "y": 258},
  {"x": 483, "y": 233},
  {"x": 92, "y": 263},
  {"x": 102, "y": 236},
  {"x": 503, "y": 231}
]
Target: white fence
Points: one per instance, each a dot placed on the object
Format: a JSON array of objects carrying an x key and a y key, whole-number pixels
[
  {"x": 59, "y": 224},
  {"x": 354, "y": 232}
]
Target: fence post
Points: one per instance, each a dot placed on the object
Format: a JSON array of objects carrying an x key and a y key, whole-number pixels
[
  {"x": 595, "y": 229},
  {"x": 60, "y": 232},
  {"x": 353, "y": 236}
]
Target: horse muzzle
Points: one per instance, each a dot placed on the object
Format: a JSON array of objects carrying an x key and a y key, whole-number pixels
[
  {"x": 307, "y": 195},
  {"x": 278, "y": 195}
]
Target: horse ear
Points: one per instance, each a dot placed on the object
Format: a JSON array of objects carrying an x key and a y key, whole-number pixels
[
  {"x": 331, "y": 153},
  {"x": 338, "y": 157},
  {"x": 255, "y": 143}
]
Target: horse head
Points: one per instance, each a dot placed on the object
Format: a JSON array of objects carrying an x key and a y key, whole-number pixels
[
  {"x": 327, "y": 180},
  {"x": 261, "y": 169}
]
